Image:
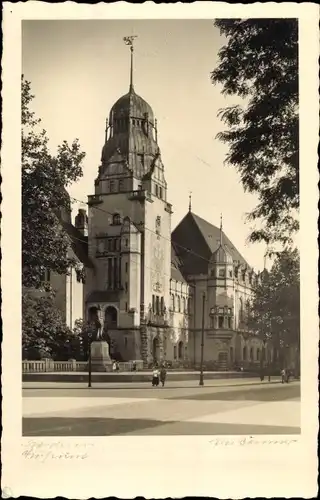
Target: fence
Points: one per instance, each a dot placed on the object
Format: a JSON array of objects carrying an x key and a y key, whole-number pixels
[{"x": 48, "y": 365}]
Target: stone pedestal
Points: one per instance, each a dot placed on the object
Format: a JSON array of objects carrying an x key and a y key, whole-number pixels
[{"x": 100, "y": 357}]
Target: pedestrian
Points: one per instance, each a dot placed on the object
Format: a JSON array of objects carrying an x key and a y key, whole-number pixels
[
  {"x": 114, "y": 366},
  {"x": 163, "y": 375},
  {"x": 283, "y": 375},
  {"x": 117, "y": 366},
  {"x": 134, "y": 366},
  {"x": 155, "y": 377}
]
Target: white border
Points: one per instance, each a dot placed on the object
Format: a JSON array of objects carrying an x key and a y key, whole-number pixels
[{"x": 153, "y": 466}]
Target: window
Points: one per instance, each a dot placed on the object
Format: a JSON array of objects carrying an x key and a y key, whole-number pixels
[
  {"x": 121, "y": 185},
  {"x": 180, "y": 350},
  {"x": 156, "y": 189},
  {"x": 251, "y": 354},
  {"x": 126, "y": 267},
  {"x": 172, "y": 302},
  {"x": 179, "y": 305},
  {"x": 231, "y": 353},
  {"x": 221, "y": 273},
  {"x": 126, "y": 286},
  {"x": 112, "y": 186},
  {"x": 162, "y": 305},
  {"x": 45, "y": 276},
  {"x": 244, "y": 354},
  {"x": 258, "y": 354},
  {"x": 157, "y": 305},
  {"x": 183, "y": 304},
  {"x": 229, "y": 323},
  {"x": 109, "y": 273},
  {"x": 189, "y": 305},
  {"x": 111, "y": 316},
  {"x": 220, "y": 321},
  {"x": 116, "y": 219},
  {"x": 153, "y": 303},
  {"x": 127, "y": 242},
  {"x": 174, "y": 352},
  {"x": 160, "y": 192},
  {"x": 126, "y": 306},
  {"x": 125, "y": 342},
  {"x": 230, "y": 274}
]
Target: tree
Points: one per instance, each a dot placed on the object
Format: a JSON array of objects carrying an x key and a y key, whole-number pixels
[
  {"x": 259, "y": 65},
  {"x": 44, "y": 331},
  {"x": 275, "y": 311},
  {"x": 44, "y": 180}
]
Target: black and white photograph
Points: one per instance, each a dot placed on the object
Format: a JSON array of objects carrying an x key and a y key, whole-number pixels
[{"x": 161, "y": 231}]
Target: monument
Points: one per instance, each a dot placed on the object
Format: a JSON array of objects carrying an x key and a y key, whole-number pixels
[{"x": 99, "y": 349}]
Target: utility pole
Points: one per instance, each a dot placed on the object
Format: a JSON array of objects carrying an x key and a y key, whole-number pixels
[{"x": 202, "y": 339}]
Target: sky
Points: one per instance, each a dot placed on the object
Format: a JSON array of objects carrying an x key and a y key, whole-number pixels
[{"x": 78, "y": 69}]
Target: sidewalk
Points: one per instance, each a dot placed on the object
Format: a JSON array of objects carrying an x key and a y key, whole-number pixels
[{"x": 129, "y": 376}]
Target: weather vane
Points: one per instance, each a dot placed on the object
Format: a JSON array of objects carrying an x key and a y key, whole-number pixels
[{"x": 128, "y": 40}]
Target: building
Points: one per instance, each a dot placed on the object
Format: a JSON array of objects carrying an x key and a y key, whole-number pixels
[{"x": 147, "y": 281}]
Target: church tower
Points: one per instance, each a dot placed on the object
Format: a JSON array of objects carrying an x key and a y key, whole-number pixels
[{"x": 129, "y": 232}]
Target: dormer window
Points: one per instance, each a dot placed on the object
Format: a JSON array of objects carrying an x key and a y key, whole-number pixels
[{"x": 116, "y": 220}]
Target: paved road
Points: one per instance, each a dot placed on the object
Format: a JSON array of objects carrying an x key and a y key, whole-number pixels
[{"x": 225, "y": 407}]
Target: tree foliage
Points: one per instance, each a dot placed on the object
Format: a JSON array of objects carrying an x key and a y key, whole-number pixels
[
  {"x": 259, "y": 64},
  {"x": 44, "y": 331},
  {"x": 275, "y": 312},
  {"x": 44, "y": 180}
]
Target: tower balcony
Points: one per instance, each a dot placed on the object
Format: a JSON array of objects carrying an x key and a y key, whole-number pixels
[
  {"x": 156, "y": 319},
  {"x": 94, "y": 199},
  {"x": 138, "y": 194}
]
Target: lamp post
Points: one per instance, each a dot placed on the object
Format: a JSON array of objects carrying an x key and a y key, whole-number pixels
[
  {"x": 202, "y": 340},
  {"x": 89, "y": 360}
]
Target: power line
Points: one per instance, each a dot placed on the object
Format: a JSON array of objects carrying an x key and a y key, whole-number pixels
[{"x": 146, "y": 229}]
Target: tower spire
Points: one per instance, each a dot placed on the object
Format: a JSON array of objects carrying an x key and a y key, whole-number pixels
[
  {"x": 221, "y": 230},
  {"x": 190, "y": 193},
  {"x": 128, "y": 40}
]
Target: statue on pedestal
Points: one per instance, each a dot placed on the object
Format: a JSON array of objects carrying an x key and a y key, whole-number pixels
[{"x": 99, "y": 324}]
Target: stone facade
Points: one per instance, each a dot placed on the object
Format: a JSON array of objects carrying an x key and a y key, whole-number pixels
[{"x": 143, "y": 278}]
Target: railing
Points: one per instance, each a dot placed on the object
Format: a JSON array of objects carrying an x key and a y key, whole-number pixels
[
  {"x": 156, "y": 319},
  {"x": 48, "y": 365}
]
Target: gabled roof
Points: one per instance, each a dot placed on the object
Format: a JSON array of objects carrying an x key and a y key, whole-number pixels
[
  {"x": 176, "y": 265},
  {"x": 196, "y": 240},
  {"x": 78, "y": 243}
]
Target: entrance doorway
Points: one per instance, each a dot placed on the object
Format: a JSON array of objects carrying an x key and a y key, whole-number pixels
[{"x": 156, "y": 350}]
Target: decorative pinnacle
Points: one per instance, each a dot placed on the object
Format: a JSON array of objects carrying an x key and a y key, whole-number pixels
[
  {"x": 128, "y": 40},
  {"x": 220, "y": 229},
  {"x": 190, "y": 194}
]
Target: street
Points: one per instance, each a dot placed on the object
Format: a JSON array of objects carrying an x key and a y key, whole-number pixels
[{"x": 222, "y": 407}]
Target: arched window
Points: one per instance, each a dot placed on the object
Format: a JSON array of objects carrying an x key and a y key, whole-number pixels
[
  {"x": 174, "y": 352},
  {"x": 179, "y": 306},
  {"x": 92, "y": 314},
  {"x": 180, "y": 350},
  {"x": 244, "y": 354},
  {"x": 258, "y": 354},
  {"x": 116, "y": 219},
  {"x": 183, "y": 304},
  {"x": 240, "y": 309},
  {"x": 251, "y": 354},
  {"x": 172, "y": 302},
  {"x": 231, "y": 353},
  {"x": 111, "y": 317},
  {"x": 162, "y": 305}
]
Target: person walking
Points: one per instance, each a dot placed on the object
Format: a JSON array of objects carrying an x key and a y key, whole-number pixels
[
  {"x": 163, "y": 375},
  {"x": 155, "y": 377},
  {"x": 283, "y": 376}
]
